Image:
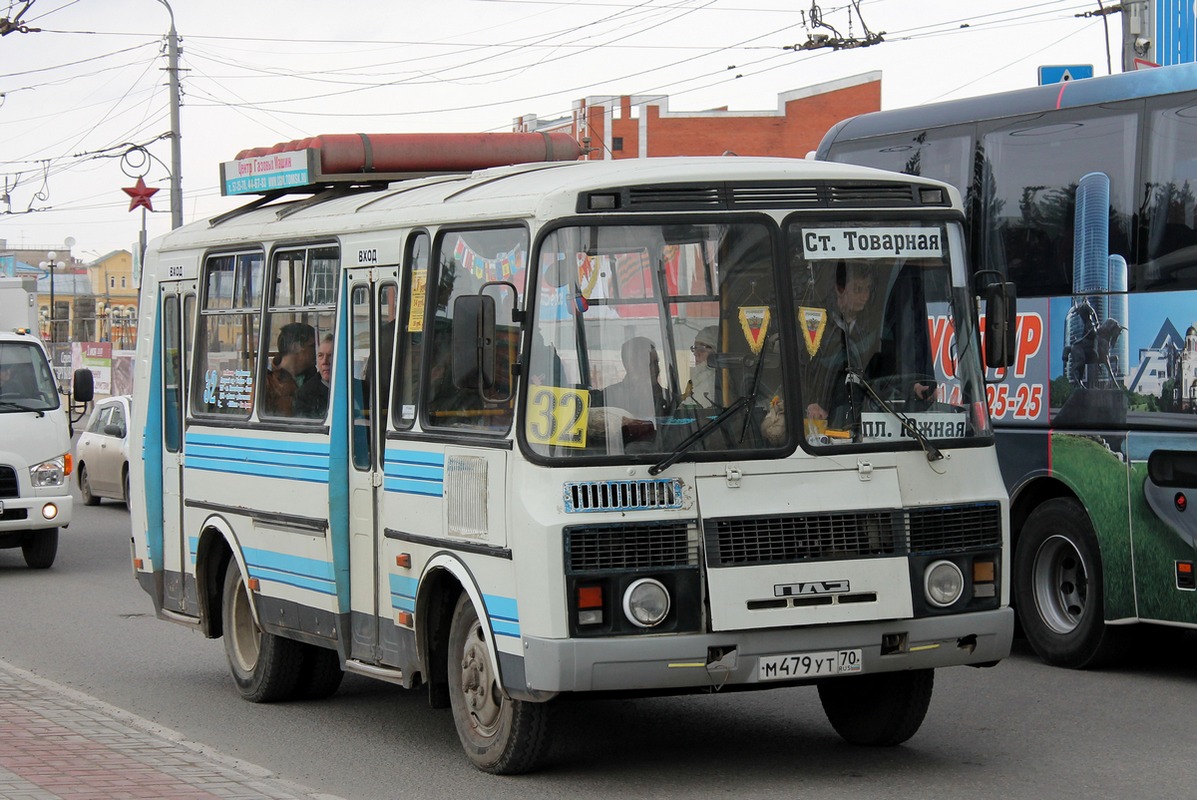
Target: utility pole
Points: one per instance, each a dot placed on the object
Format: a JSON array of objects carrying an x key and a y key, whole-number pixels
[
  {"x": 1138, "y": 33},
  {"x": 176, "y": 150}
]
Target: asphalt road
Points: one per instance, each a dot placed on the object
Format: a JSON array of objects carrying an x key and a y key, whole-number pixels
[{"x": 1019, "y": 730}]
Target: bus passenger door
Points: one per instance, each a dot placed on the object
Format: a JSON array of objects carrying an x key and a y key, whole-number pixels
[
  {"x": 177, "y": 301},
  {"x": 372, "y": 296}
]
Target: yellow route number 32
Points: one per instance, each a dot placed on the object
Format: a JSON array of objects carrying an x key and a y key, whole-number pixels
[{"x": 557, "y": 416}]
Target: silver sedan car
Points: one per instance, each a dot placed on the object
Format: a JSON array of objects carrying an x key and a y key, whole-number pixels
[{"x": 102, "y": 454}]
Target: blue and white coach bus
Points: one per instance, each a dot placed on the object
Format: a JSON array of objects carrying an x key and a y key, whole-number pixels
[{"x": 547, "y": 428}]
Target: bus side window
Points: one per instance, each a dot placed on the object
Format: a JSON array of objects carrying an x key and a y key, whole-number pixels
[
  {"x": 299, "y": 322},
  {"x": 411, "y": 334},
  {"x": 227, "y": 335},
  {"x": 466, "y": 261},
  {"x": 171, "y": 384}
]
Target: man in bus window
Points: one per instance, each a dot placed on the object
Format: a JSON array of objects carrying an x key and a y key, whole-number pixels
[
  {"x": 291, "y": 367},
  {"x": 311, "y": 400}
]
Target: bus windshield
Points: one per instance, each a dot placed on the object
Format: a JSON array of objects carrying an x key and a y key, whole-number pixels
[
  {"x": 887, "y": 345},
  {"x": 655, "y": 338}
]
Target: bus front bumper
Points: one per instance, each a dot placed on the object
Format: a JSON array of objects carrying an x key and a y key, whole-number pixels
[{"x": 678, "y": 662}]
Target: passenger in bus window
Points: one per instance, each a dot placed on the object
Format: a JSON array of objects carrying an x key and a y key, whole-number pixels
[
  {"x": 639, "y": 392},
  {"x": 701, "y": 392},
  {"x": 311, "y": 400},
  {"x": 292, "y": 366}
]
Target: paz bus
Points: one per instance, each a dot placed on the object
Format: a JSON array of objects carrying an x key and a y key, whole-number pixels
[
  {"x": 508, "y": 490},
  {"x": 1083, "y": 195}
]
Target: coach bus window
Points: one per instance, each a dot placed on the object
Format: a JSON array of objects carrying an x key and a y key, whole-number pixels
[
  {"x": 1031, "y": 198},
  {"x": 1171, "y": 199},
  {"x": 467, "y": 260},
  {"x": 411, "y": 334},
  {"x": 299, "y": 318},
  {"x": 227, "y": 335},
  {"x": 931, "y": 154}
]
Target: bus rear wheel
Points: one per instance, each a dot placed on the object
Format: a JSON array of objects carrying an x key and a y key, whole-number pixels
[
  {"x": 501, "y": 735},
  {"x": 1058, "y": 587},
  {"x": 880, "y": 710},
  {"x": 265, "y": 667}
]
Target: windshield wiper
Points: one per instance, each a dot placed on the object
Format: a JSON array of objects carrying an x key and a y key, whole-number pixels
[
  {"x": 933, "y": 452},
  {"x": 11, "y": 404},
  {"x": 697, "y": 437}
]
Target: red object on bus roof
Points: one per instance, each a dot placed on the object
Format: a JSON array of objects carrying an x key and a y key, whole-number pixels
[{"x": 364, "y": 153}]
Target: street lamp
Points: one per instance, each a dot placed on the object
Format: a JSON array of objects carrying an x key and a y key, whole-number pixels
[{"x": 50, "y": 264}]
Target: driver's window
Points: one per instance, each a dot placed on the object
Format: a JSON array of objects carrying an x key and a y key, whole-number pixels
[{"x": 465, "y": 262}]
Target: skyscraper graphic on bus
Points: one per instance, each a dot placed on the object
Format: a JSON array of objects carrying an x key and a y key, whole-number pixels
[{"x": 1095, "y": 352}]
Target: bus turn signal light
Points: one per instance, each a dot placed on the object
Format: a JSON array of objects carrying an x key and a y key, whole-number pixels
[{"x": 590, "y": 605}]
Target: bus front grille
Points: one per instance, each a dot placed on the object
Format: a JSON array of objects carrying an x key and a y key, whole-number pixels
[
  {"x": 939, "y": 529},
  {"x": 642, "y": 495},
  {"x": 742, "y": 541},
  {"x": 647, "y": 545},
  {"x": 746, "y": 541}
]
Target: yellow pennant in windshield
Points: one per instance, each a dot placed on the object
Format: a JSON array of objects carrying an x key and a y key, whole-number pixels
[
  {"x": 813, "y": 322},
  {"x": 754, "y": 321}
]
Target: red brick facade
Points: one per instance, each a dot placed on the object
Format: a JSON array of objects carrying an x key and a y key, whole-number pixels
[{"x": 642, "y": 125}]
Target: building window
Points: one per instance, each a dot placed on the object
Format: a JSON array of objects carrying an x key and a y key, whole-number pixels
[
  {"x": 616, "y": 143},
  {"x": 122, "y": 281},
  {"x": 112, "y": 282}
]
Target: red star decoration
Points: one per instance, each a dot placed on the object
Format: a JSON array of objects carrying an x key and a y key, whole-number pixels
[{"x": 140, "y": 195}]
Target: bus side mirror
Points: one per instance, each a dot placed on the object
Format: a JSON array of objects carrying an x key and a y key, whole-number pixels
[
  {"x": 1001, "y": 319},
  {"x": 83, "y": 387},
  {"x": 473, "y": 342}
]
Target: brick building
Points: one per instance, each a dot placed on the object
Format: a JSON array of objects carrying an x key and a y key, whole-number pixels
[{"x": 638, "y": 126}]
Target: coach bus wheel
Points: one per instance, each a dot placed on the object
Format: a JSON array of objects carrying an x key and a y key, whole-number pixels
[
  {"x": 501, "y": 735},
  {"x": 879, "y": 710},
  {"x": 1058, "y": 587},
  {"x": 40, "y": 548},
  {"x": 265, "y": 667}
]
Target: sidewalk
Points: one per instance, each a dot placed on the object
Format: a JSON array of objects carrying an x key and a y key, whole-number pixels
[{"x": 57, "y": 743}]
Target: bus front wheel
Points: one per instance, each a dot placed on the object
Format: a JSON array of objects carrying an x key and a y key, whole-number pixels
[
  {"x": 1058, "y": 587},
  {"x": 265, "y": 667},
  {"x": 501, "y": 735},
  {"x": 879, "y": 710}
]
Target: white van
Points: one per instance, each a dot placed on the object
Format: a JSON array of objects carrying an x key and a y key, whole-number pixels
[{"x": 35, "y": 448}]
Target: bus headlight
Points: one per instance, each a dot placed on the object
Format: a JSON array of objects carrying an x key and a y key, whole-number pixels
[
  {"x": 48, "y": 473},
  {"x": 646, "y": 603},
  {"x": 943, "y": 583}
]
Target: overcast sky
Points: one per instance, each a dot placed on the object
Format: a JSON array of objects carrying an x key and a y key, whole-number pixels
[{"x": 91, "y": 82}]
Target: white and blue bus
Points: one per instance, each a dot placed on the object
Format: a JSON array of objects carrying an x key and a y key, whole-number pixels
[
  {"x": 542, "y": 429},
  {"x": 1084, "y": 195}
]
